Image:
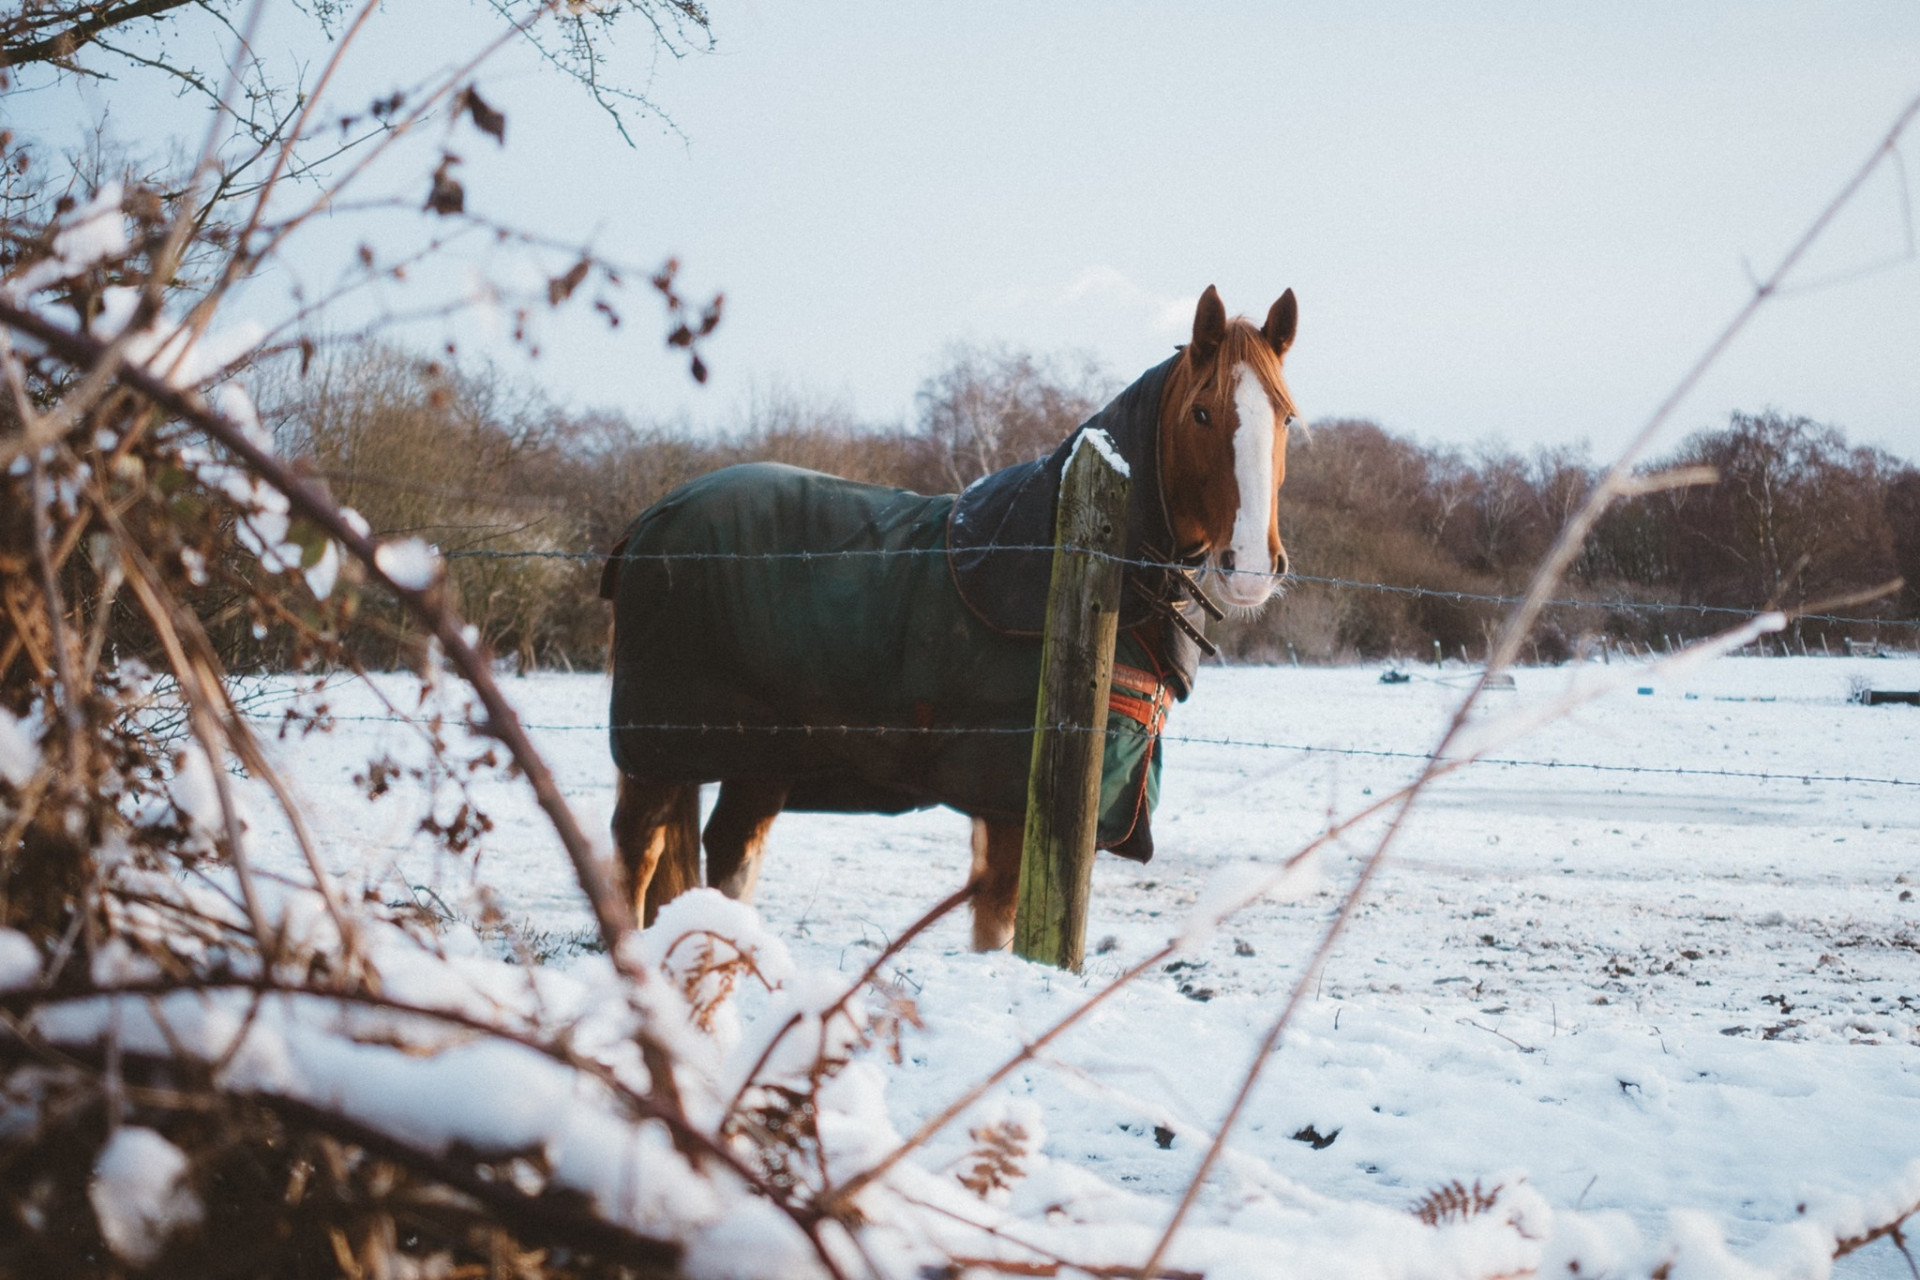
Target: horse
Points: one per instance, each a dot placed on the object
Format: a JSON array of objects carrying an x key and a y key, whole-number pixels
[{"x": 811, "y": 643}]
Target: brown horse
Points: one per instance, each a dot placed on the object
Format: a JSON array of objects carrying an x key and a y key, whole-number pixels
[{"x": 1215, "y": 442}]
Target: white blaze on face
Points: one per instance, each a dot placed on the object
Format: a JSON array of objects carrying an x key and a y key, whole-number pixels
[{"x": 1253, "y": 470}]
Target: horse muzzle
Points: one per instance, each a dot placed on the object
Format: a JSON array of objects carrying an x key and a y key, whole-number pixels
[{"x": 1244, "y": 588}]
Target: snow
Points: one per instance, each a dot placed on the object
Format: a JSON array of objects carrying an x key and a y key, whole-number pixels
[
  {"x": 409, "y": 562},
  {"x": 324, "y": 572},
  {"x": 196, "y": 795},
  {"x": 705, "y": 943},
  {"x": 1103, "y": 444},
  {"x": 266, "y": 516},
  {"x": 90, "y": 234},
  {"x": 428, "y": 1083},
  {"x": 1234, "y": 886},
  {"x": 1674, "y": 1017},
  {"x": 97, "y": 230},
  {"x": 19, "y": 757},
  {"x": 142, "y": 1194},
  {"x": 19, "y": 961},
  {"x": 171, "y": 350}
]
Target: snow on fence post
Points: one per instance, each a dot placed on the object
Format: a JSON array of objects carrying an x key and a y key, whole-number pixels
[{"x": 1076, "y": 672}]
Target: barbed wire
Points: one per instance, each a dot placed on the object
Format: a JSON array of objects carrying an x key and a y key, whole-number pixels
[
  {"x": 1623, "y": 606},
  {"x": 1209, "y": 740}
]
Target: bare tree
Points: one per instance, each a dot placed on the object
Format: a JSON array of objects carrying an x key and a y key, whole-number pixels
[
  {"x": 1903, "y": 527},
  {"x": 1796, "y": 511},
  {"x": 990, "y": 407}
]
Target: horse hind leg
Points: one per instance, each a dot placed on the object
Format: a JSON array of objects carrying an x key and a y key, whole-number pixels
[
  {"x": 679, "y": 866},
  {"x": 996, "y": 881},
  {"x": 736, "y": 836},
  {"x": 656, "y": 829}
]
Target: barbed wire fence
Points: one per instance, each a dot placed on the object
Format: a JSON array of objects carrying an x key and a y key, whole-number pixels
[
  {"x": 826, "y": 731},
  {"x": 1629, "y": 606},
  {"x": 1203, "y": 740}
]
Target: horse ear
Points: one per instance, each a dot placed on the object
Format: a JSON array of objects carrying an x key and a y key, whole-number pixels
[
  {"x": 1281, "y": 321},
  {"x": 1209, "y": 326}
]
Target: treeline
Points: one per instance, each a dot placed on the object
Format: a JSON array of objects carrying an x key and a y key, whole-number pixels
[
  {"x": 486, "y": 467},
  {"x": 1795, "y": 516}
]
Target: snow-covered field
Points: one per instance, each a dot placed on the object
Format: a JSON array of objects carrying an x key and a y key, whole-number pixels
[{"x": 1638, "y": 992}]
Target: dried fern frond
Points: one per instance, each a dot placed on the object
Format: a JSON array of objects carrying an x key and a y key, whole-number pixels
[
  {"x": 781, "y": 1126},
  {"x": 1455, "y": 1202},
  {"x": 707, "y": 977},
  {"x": 897, "y": 1012},
  {"x": 998, "y": 1161}
]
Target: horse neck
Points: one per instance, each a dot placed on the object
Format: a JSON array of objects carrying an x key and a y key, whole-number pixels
[{"x": 1159, "y": 509}]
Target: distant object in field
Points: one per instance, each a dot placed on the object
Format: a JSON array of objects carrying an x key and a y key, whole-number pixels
[
  {"x": 1890, "y": 697},
  {"x": 1394, "y": 676}
]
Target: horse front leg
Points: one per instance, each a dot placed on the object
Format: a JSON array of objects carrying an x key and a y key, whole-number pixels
[
  {"x": 996, "y": 881},
  {"x": 656, "y": 829},
  {"x": 736, "y": 836}
]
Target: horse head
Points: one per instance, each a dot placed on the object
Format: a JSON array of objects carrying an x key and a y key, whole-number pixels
[{"x": 1223, "y": 448}]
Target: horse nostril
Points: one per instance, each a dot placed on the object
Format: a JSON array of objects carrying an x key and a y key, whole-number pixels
[
  {"x": 1226, "y": 561},
  {"x": 1280, "y": 566}
]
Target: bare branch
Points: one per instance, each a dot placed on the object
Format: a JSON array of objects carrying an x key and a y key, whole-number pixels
[
  {"x": 427, "y": 606},
  {"x": 20, "y": 48},
  {"x": 1506, "y": 649}
]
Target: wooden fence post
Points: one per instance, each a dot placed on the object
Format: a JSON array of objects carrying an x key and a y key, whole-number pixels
[{"x": 1076, "y": 672}]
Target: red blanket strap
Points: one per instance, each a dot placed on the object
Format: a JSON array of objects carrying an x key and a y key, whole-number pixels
[{"x": 1149, "y": 711}]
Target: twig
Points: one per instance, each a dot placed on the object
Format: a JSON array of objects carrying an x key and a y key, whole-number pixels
[
  {"x": 1495, "y": 1031},
  {"x": 912, "y": 931},
  {"x": 1894, "y": 1230},
  {"x": 161, "y": 610},
  {"x": 206, "y": 692},
  {"x": 425, "y": 604},
  {"x": 20, "y": 1005},
  {"x": 1506, "y": 647},
  {"x": 561, "y": 1219},
  {"x": 240, "y": 258}
]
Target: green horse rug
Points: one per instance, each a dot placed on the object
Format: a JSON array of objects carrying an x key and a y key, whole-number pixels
[{"x": 879, "y": 648}]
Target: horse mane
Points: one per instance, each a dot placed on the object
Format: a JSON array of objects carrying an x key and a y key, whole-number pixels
[{"x": 1243, "y": 343}]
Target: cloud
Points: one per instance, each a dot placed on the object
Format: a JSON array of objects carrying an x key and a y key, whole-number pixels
[{"x": 1109, "y": 286}]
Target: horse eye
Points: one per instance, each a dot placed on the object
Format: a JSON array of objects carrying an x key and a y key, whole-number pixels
[{"x": 1200, "y": 416}]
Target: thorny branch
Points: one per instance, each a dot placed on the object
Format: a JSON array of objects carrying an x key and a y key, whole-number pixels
[
  {"x": 1893, "y": 1230},
  {"x": 21, "y": 1006},
  {"x": 22, "y": 44},
  {"x": 426, "y": 604},
  {"x": 90, "y": 439},
  {"x": 1506, "y": 649},
  {"x": 1436, "y": 768}
]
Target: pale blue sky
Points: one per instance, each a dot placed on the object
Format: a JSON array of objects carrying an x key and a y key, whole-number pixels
[{"x": 1507, "y": 219}]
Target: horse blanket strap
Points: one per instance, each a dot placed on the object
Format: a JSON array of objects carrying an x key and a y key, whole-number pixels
[{"x": 1147, "y": 702}]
